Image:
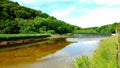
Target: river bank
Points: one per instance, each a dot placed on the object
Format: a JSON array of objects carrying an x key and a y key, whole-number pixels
[
  {"x": 105, "y": 56},
  {"x": 18, "y": 39},
  {"x": 13, "y": 41}
]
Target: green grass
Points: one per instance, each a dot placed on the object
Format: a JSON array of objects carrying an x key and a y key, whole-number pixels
[
  {"x": 16, "y": 36},
  {"x": 105, "y": 56},
  {"x": 82, "y": 62},
  {"x": 119, "y": 39}
]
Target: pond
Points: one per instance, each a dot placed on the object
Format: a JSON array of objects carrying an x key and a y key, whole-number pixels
[{"x": 51, "y": 53}]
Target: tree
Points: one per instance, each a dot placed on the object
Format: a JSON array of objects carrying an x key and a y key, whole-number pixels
[{"x": 19, "y": 19}]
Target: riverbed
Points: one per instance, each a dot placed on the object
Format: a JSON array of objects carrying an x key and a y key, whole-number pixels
[{"x": 51, "y": 53}]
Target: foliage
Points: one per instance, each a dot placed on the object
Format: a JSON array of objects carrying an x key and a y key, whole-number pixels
[
  {"x": 106, "y": 29},
  {"x": 16, "y": 19},
  {"x": 105, "y": 56}
]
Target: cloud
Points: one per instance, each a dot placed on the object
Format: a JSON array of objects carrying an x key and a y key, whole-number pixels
[
  {"x": 96, "y": 17},
  {"x": 64, "y": 12},
  {"x": 105, "y": 2},
  {"x": 86, "y": 1}
]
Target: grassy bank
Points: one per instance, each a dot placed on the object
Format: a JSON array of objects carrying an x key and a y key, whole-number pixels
[
  {"x": 119, "y": 39},
  {"x": 17, "y": 36},
  {"x": 105, "y": 56}
]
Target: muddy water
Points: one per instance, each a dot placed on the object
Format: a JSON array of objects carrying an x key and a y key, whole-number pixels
[{"x": 51, "y": 53}]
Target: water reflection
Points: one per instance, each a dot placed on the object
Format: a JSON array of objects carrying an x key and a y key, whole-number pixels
[
  {"x": 32, "y": 53},
  {"x": 53, "y": 53},
  {"x": 65, "y": 57},
  {"x": 81, "y": 48}
]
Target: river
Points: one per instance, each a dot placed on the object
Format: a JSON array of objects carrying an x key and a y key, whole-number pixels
[{"x": 51, "y": 53}]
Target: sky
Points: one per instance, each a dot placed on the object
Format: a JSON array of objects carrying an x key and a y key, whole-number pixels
[{"x": 83, "y": 13}]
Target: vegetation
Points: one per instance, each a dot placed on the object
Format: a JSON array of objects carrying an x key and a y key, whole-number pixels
[
  {"x": 20, "y": 22},
  {"x": 118, "y": 30},
  {"x": 85, "y": 31},
  {"x": 119, "y": 39},
  {"x": 16, "y": 19},
  {"x": 105, "y": 56},
  {"x": 105, "y": 29},
  {"x": 14, "y": 36},
  {"x": 82, "y": 62}
]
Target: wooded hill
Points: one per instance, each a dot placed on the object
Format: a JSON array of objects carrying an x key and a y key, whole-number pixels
[
  {"x": 105, "y": 29},
  {"x": 16, "y": 19}
]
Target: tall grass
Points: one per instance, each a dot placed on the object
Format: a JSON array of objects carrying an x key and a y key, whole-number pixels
[
  {"x": 105, "y": 56},
  {"x": 14, "y": 36},
  {"x": 119, "y": 39},
  {"x": 82, "y": 62}
]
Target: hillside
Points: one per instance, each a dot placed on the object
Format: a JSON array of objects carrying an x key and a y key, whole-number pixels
[
  {"x": 105, "y": 29},
  {"x": 16, "y": 19}
]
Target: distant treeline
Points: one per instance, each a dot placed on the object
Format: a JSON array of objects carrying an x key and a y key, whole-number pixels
[
  {"x": 105, "y": 29},
  {"x": 16, "y": 19}
]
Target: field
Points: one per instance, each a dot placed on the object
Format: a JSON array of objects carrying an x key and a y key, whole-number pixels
[{"x": 104, "y": 57}]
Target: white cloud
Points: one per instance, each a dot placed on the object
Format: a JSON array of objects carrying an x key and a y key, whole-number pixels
[
  {"x": 107, "y": 2},
  {"x": 96, "y": 17},
  {"x": 62, "y": 13},
  {"x": 86, "y": 1}
]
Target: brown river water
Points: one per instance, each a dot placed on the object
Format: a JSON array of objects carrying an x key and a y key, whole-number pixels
[{"x": 51, "y": 53}]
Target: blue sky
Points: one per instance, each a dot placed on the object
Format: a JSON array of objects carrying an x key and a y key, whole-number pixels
[{"x": 83, "y": 13}]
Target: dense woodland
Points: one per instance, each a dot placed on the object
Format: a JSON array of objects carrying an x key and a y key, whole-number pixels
[{"x": 16, "y": 19}]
